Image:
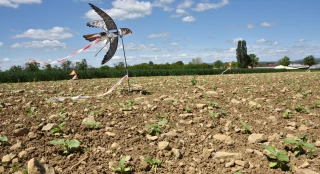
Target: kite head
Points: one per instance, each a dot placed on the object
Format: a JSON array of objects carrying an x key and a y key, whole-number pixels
[{"x": 124, "y": 31}]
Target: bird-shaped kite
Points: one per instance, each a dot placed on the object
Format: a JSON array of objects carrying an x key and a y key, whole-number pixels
[{"x": 107, "y": 24}]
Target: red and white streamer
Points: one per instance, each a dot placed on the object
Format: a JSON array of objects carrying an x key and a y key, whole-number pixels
[
  {"x": 65, "y": 58},
  {"x": 85, "y": 97}
]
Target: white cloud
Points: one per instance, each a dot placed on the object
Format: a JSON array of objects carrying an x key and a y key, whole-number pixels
[
  {"x": 174, "y": 44},
  {"x": 16, "y": 3},
  {"x": 54, "y": 33},
  {"x": 39, "y": 44},
  {"x": 275, "y": 43},
  {"x": 232, "y": 50},
  {"x": 6, "y": 59},
  {"x": 164, "y": 4},
  {"x": 236, "y": 40},
  {"x": 250, "y": 26},
  {"x": 1, "y": 44},
  {"x": 267, "y": 24},
  {"x": 140, "y": 47},
  {"x": 163, "y": 34},
  {"x": 180, "y": 11},
  {"x": 260, "y": 41},
  {"x": 124, "y": 9},
  {"x": 302, "y": 40},
  {"x": 188, "y": 19},
  {"x": 185, "y": 4},
  {"x": 207, "y": 6}
]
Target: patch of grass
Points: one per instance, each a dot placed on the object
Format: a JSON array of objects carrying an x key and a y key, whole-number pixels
[
  {"x": 156, "y": 128},
  {"x": 299, "y": 145},
  {"x": 155, "y": 163},
  {"x": 92, "y": 124},
  {"x": 277, "y": 158},
  {"x": 121, "y": 167},
  {"x": 3, "y": 140},
  {"x": 66, "y": 144},
  {"x": 245, "y": 128},
  {"x": 58, "y": 129}
]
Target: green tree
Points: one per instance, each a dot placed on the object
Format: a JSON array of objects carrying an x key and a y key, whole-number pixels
[
  {"x": 32, "y": 66},
  {"x": 119, "y": 65},
  {"x": 150, "y": 63},
  {"x": 82, "y": 65},
  {"x": 285, "y": 61},
  {"x": 242, "y": 57},
  {"x": 105, "y": 67},
  {"x": 309, "y": 60},
  {"x": 66, "y": 65},
  {"x": 15, "y": 68},
  {"x": 254, "y": 60},
  {"x": 218, "y": 64},
  {"x": 197, "y": 60},
  {"x": 47, "y": 67}
]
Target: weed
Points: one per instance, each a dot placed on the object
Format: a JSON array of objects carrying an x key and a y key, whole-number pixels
[
  {"x": 278, "y": 158},
  {"x": 121, "y": 168},
  {"x": 302, "y": 109},
  {"x": 299, "y": 145},
  {"x": 58, "y": 129},
  {"x": 213, "y": 104},
  {"x": 32, "y": 111},
  {"x": 246, "y": 128},
  {"x": 194, "y": 80},
  {"x": 156, "y": 128},
  {"x": 188, "y": 109},
  {"x": 155, "y": 163},
  {"x": 287, "y": 114},
  {"x": 214, "y": 114},
  {"x": 66, "y": 144},
  {"x": 3, "y": 140},
  {"x": 92, "y": 124}
]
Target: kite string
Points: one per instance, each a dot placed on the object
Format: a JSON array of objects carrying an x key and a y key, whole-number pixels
[{"x": 71, "y": 55}]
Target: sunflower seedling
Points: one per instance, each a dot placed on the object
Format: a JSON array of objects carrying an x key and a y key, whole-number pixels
[
  {"x": 92, "y": 124},
  {"x": 66, "y": 144},
  {"x": 246, "y": 128},
  {"x": 278, "y": 158},
  {"x": 188, "y": 109},
  {"x": 214, "y": 114},
  {"x": 156, "y": 128},
  {"x": 121, "y": 168},
  {"x": 299, "y": 145},
  {"x": 194, "y": 80},
  {"x": 213, "y": 104},
  {"x": 155, "y": 163},
  {"x": 3, "y": 140},
  {"x": 287, "y": 114},
  {"x": 58, "y": 129}
]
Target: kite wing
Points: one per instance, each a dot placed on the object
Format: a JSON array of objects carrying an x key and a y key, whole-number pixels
[
  {"x": 112, "y": 50},
  {"x": 109, "y": 23},
  {"x": 97, "y": 24}
]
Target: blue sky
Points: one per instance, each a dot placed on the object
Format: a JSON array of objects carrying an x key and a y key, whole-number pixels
[{"x": 163, "y": 30}]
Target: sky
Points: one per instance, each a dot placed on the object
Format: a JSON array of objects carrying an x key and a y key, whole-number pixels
[{"x": 163, "y": 31}]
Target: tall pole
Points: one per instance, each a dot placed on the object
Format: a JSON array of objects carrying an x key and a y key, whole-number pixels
[{"x": 125, "y": 60}]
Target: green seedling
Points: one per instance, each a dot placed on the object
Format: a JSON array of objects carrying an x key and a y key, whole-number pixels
[
  {"x": 302, "y": 109},
  {"x": 155, "y": 163},
  {"x": 58, "y": 129},
  {"x": 121, "y": 168},
  {"x": 238, "y": 172},
  {"x": 188, "y": 109},
  {"x": 214, "y": 114},
  {"x": 246, "y": 128},
  {"x": 128, "y": 104},
  {"x": 315, "y": 104},
  {"x": 156, "y": 128},
  {"x": 3, "y": 140},
  {"x": 213, "y": 104},
  {"x": 194, "y": 80},
  {"x": 278, "y": 158},
  {"x": 97, "y": 112},
  {"x": 224, "y": 113},
  {"x": 287, "y": 114},
  {"x": 305, "y": 94},
  {"x": 299, "y": 145},
  {"x": 92, "y": 124},
  {"x": 66, "y": 144},
  {"x": 32, "y": 111}
]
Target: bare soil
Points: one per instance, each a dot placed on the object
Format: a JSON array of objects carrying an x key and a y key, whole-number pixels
[{"x": 260, "y": 100}]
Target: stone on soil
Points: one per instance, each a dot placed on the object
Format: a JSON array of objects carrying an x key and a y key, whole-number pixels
[
  {"x": 257, "y": 138},
  {"x": 20, "y": 132},
  {"x": 35, "y": 167},
  {"x": 163, "y": 145},
  {"x": 47, "y": 127}
]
